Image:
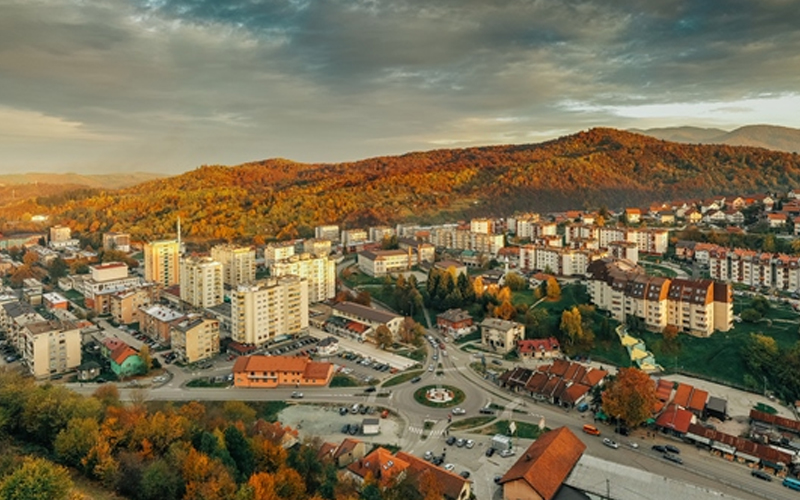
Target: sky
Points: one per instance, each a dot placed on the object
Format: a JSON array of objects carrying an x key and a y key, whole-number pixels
[{"x": 103, "y": 86}]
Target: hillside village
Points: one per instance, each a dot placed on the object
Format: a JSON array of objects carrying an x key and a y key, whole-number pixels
[{"x": 475, "y": 283}]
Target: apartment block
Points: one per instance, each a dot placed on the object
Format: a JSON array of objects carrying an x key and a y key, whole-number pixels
[
  {"x": 425, "y": 251},
  {"x": 162, "y": 262},
  {"x": 698, "y": 307},
  {"x": 117, "y": 241},
  {"x": 276, "y": 252},
  {"x": 156, "y": 322},
  {"x": 318, "y": 247},
  {"x": 501, "y": 336},
  {"x": 483, "y": 226},
  {"x": 123, "y": 305},
  {"x": 573, "y": 232},
  {"x": 267, "y": 308},
  {"x": 378, "y": 233},
  {"x": 195, "y": 338},
  {"x": 60, "y": 234},
  {"x": 201, "y": 281},
  {"x": 320, "y": 272},
  {"x": 756, "y": 269},
  {"x": 560, "y": 261},
  {"x": 50, "y": 347},
  {"x": 238, "y": 264},
  {"x": 104, "y": 281},
  {"x": 353, "y": 237},
  {"x": 377, "y": 263},
  {"x": 329, "y": 232}
]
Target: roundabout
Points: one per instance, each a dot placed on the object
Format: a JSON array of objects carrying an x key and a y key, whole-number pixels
[{"x": 439, "y": 396}]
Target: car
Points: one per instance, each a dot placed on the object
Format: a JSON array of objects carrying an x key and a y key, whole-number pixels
[
  {"x": 415, "y": 380},
  {"x": 672, "y": 449},
  {"x": 449, "y": 467},
  {"x": 346, "y": 429},
  {"x": 497, "y": 478},
  {"x": 363, "y": 410},
  {"x": 673, "y": 458},
  {"x": 459, "y": 411},
  {"x": 428, "y": 456},
  {"x": 431, "y": 368},
  {"x": 659, "y": 448},
  {"x": 761, "y": 475},
  {"x": 497, "y": 362},
  {"x": 634, "y": 445},
  {"x": 470, "y": 443},
  {"x": 437, "y": 460},
  {"x": 10, "y": 359},
  {"x": 460, "y": 442},
  {"x": 354, "y": 428},
  {"x": 465, "y": 474},
  {"x": 486, "y": 411},
  {"x": 610, "y": 443},
  {"x": 371, "y": 388},
  {"x": 489, "y": 452},
  {"x": 435, "y": 357},
  {"x": 451, "y": 440},
  {"x": 297, "y": 395},
  {"x": 506, "y": 453},
  {"x": 342, "y": 411}
]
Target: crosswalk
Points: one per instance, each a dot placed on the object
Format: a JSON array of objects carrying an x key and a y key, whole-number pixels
[{"x": 419, "y": 430}]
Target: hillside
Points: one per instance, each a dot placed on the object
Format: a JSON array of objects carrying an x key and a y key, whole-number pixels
[
  {"x": 98, "y": 181},
  {"x": 761, "y": 136},
  {"x": 279, "y": 198}
]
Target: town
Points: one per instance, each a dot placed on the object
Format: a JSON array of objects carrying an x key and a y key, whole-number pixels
[{"x": 466, "y": 357}]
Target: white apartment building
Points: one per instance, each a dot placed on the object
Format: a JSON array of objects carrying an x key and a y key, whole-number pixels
[
  {"x": 117, "y": 241},
  {"x": 161, "y": 262},
  {"x": 377, "y": 263},
  {"x": 329, "y": 232},
  {"x": 262, "y": 310},
  {"x": 201, "y": 281},
  {"x": 560, "y": 261},
  {"x": 575, "y": 232},
  {"x": 698, "y": 307},
  {"x": 238, "y": 264},
  {"x": 653, "y": 241},
  {"x": 320, "y": 272},
  {"x": 353, "y": 237},
  {"x": 624, "y": 250},
  {"x": 483, "y": 226},
  {"x": 318, "y": 247},
  {"x": 195, "y": 338},
  {"x": 276, "y": 252},
  {"x": 378, "y": 233},
  {"x": 50, "y": 347},
  {"x": 60, "y": 234},
  {"x": 756, "y": 269}
]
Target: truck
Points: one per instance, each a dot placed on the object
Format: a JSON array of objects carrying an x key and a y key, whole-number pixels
[{"x": 501, "y": 442}]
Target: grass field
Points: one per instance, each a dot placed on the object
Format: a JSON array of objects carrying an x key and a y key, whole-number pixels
[
  {"x": 656, "y": 270},
  {"x": 403, "y": 377},
  {"x": 340, "y": 380},
  {"x": 469, "y": 423}
]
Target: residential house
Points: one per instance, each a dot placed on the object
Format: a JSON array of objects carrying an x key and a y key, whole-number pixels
[
  {"x": 453, "y": 486},
  {"x": 349, "y": 451},
  {"x": 633, "y": 215},
  {"x": 369, "y": 318},
  {"x": 500, "y": 335},
  {"x": 156, "y": 322},
  {"x": 776, "y": 220},
  {"x": 693, "y": 216},
  {"x": 273, "y": 371},
  {"x": 385, "y": 468},
  {"x": 530, "y": 349},
  {"x": 454, "y": 322},
  {"x": 123, "y": 359},
  {"x": 540, "y": 471}
]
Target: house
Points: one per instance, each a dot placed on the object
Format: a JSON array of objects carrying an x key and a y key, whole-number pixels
[
  {"x": 349, "y": 451},
  {"x": 361, "y": 321},
  {"x": 328, "y": 346},
  {"x": 500, "y": 335},
  {"x": 675, "y": 420},
  {"x": 455, "y": 322},
  {"x": 88, "y": 371},
  {"x": 776, "y": 220},
  {"x": 685, "y": 249},
  {"x": 124, "y": 360},
  {"x": 274, "y": 371},
  {"x": 541, "y": 470},
  {"x": 666, "y": 217},
  {"x": 538, "y": 348},
  {"x": 385, "y": 468},
  {"x": 453, "y": 486},
  {"x": 735, "y": 217}
]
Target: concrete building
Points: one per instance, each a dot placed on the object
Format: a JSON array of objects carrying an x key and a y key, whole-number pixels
[
  {"x": 320, "y": 272},
  {"x": 317, "y": 246},
  {"x": 379, "y": 263},
  {"x": 50, "y": 347},
  {"x": 355, "y": 320},
  {"x": 162, "y": 262},
  {"x": 123, "y": 305},
  {"x": 238, "y": 264},
  {"x": 558, "y": 261},
  {"x": 501, "y": 336},
  {"x": 425, "y": 251},
  {"x": 483, "y": 226},
  {"x": 353, "y": 237},
  {"x": 276, "y": 252},
  {"x": 201, "y": 281},
  {"x": 117, "y": 241},
  {"x": 104, "y": 281},
  {"x": 378, "y": 233},
  {"x": 329, "y": 232},
  {"x": 195, "y": 338},
  {"x": 275, "y": 371},
  {"x": 267, "y": 308},
  {"x": 156, "y": 322}
]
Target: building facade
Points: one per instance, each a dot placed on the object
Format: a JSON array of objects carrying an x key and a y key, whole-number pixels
[
  {"x": 501, "y": 336},
  {"x": 50, "y": 347},
  {"x": 238, "y": 264},
  {"x": 201, "y": 281},
  {"x": 162, "y": 262},
  {"x": 265, "y": 309},
  {"x": 320, "y": 272},
  {"x": 274, "y": 371},
  {"x": 117, "y": 241},
  {"x": 276, "y": 252},
  {"x": 195, "y": 338}
]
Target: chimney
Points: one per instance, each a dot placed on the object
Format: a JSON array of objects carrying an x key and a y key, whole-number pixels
[{"x": 528, "y": 457}]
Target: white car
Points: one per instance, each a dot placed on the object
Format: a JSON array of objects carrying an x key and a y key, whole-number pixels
[
  {"x": 449, "y": 467},
  {"x": 470, "y": 443},
  {"x": 430, "y": 368},
  {"x": 506, "y": 453},
  {"x": 428, "y": 456},
  {"x": 610, "y": 443},
  {"x": 459, "y": 411}
]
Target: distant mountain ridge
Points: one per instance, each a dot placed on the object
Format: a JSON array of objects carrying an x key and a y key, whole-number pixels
[
  {"x": 760, "y": 136},
  {"x": 283, "y": 199},
  {"x": 98, "y": 181}
]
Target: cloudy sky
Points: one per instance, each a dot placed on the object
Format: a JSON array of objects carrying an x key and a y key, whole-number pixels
[{"x": 166, "y": 85}]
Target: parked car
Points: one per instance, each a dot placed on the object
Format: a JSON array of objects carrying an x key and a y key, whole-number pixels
[
  {"x": 470, "y": 443},
  {"x": 342, "y": 411},
  {"x": 673, "y": 458},
  {"x": 489, "y": 452},
  {"x": 451, "y": 440},
  {"x": 465, "y": 474},
  {"x": 506, "y": 453},
  {"x": 659, "y": 448},
  {"x": 428, "y": 456},
  {"x": 346, "y": 429},
  {"x": 449, "y": 467},
  {"x": 610, "y": 443},
  {"x": 497, "y": 478},
  {"x": 460, "y": 442},
  {"x": 354, "y": 428},
  {"x": 297, "y": 395},
  {"x": 761, "y": 475},
  {"x": 672, "y": 449},
  {"x": 437, "y": 460},
  {"x": 497, "y": 362}
]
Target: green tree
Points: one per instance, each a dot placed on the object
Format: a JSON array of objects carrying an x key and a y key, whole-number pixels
[
  {"x": 240, "y": 451},
  {"x": 37, "y": 479},
  {"x": 161, "y": 481},
  {"x": 57, "y": 269},
  {"x": 75, "y": 442},
  {"x": 750, "y": 315},
  {"x": 515, "y": 282},
  {"x": 537, "y": 323}
]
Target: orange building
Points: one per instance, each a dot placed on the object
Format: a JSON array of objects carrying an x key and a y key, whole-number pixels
[{"x": 274, "y": 371}]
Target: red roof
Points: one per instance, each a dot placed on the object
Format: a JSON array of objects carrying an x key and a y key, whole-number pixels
[
  {"x": 664, "y": 389},
  {"x": 594, "y": 377},
  {"x": 383, "y": 466},
  {"x": 316, "y": 370},
  {"x": 698, "y": 401},
  {"x": 451, "y": 484},
  {"x": 537, "y": 345},
  {"x": 547, "y": 462},
  {"x": 121, "y": 353},
  {"x": 675, "y": 418},
  {"x": 683, "y": 395},
  {"x": 574, "y": 393}
]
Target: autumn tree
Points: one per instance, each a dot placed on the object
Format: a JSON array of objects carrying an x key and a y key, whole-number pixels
[
  {"x": 515, "y": 282},
  {"x": 505, "y": 311},
  {"x": 553, "y": 289},
  {"x": 383, "y": 337},
  {"x": 631, "y": 396},
  {"x": 75, "y": 442},
  {"x": 37, "y": 479},
  {"x": 571, "y": 324},
  {"x": 146, "y": 357}
]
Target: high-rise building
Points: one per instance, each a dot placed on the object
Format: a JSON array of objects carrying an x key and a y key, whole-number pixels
[
  {"x": 60, "y": 233},
  {"x": 319, "y": 271},
  {"x": 161, "y": 262},
  {"x": 238, "y": 264},
  {"x": 195, "y": 338},
  {"x": 276, "y": 252},
  {"x": 201, "y": 281},
  {"x": 329, "y": 232},
  {"x": 50, "y": 347},
  {"x": 267, "y": 308}
]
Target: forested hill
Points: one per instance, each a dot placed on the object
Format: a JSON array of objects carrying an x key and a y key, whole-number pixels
[{"x": 280, "y": 198}]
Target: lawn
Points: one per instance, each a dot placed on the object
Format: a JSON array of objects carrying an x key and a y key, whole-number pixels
[
  {"x": 524, "y": 429},
  {"x": 661, "y": 271},
  {"x": 420, "y": 396},
  {"x": 469, "y": 423},
  {"x": 403, "y": 377},
  {"x": 340, "y": 380},
  {"x": 476, "y": 335}
]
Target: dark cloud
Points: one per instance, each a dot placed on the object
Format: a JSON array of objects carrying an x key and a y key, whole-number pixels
[{"x": 174, "y": 83}]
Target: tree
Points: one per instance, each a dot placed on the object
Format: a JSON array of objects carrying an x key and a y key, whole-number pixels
[
  {"x": 37, "y": 479},
  {"x": 505, "y": 311},
  {"x": 364, "y": 298},
  {"x": 57, "y": 269},
  {"x": 553, "y": 289},
  {"x": 478, "y": 287},
  {"x": 383, "y": 337},
  {"x": 630, "y": 397},
  {"x": 536, "y": 323},
  {"x": 241, "y": 452},
  {"x": 515, "y": 282},
  {"x": 571, "y": 324},
  {"x": 147, "y": 359},
  {"x": 75, "y": 442},
  {"x": 760, "y": 354}
]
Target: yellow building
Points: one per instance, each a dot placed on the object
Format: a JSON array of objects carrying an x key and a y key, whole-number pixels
[
  {"x": 319, "y": 271},
  {"x": 50, "y": 347},
  {"x": 267, "y": 308},
  {"x": 201, "y": 281},
  {"x": 195, "y": 338},
  {"x": 238, "y": 264},
  {"x": 161, "y": 262}
]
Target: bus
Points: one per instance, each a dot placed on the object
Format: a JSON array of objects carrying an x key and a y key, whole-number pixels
[{"x": 791, "y": 483}]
